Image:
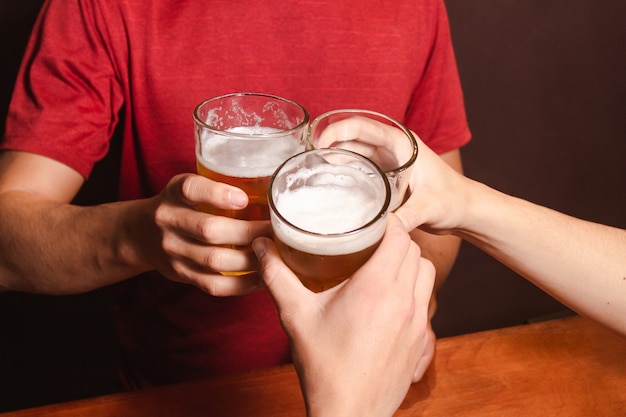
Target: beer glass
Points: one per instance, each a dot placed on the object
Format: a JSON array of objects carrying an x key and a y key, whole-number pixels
[
  {"x": 382, "y": 139},
  {"x": 241, "y": 138},
  {"x": 328, "y": 210}
]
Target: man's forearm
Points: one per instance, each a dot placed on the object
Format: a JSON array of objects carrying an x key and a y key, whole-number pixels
[{"x": 57, "y": 248}]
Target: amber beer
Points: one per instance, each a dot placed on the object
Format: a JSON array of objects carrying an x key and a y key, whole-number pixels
[
  {"x": 319, "y": 272},
  {"x": 328, "y": 210}
]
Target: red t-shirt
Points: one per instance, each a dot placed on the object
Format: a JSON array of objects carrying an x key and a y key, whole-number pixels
[{"x": 92, "y": 64}]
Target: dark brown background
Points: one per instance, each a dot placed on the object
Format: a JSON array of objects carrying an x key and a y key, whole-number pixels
[{"x": 546, "y": 99}]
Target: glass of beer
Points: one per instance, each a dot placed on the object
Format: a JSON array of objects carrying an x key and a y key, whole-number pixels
[
  {"x": 382, "y": 139},
  {"x": 328, "y": 209},
  {"x": 241, "y": 138}
]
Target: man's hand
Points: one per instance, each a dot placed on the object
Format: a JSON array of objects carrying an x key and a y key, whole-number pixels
[{"x": 192, "y": 246}]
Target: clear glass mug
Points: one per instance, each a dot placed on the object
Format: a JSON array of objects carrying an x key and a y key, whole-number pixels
[
  {"x": 382, "y": 139},
  {"x": 241, "y": 138},
  {"x": 328, "y": 210}
]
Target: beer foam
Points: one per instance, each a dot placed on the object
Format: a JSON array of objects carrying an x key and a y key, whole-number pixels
[
  {"x": 334, "y": 202},
  {"x": 238, "y": 157},
  {"x": 253, "y": 130}
]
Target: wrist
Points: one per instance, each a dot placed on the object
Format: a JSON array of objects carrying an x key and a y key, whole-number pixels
[
  {"x": 135, "y": 237},
  {"x": 481, "y": 209}
]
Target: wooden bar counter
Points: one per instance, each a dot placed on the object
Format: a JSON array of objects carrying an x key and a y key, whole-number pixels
[{"x": 567, "y": 367}]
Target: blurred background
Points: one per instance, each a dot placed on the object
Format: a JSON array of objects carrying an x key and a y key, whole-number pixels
[{"x": 545, "y": 91}]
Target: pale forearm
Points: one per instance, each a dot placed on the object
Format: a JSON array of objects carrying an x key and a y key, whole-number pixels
[
  {"x": 57, "y": 248},
  {"x": 582, "y": 264}
]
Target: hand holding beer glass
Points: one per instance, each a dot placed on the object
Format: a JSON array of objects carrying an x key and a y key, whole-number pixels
[
  {"x": 382, "y": 139},
  {"x": 241, "y": 138},
  {"x": 328, "y": 209}
]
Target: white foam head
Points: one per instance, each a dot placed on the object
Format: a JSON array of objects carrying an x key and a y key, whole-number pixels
[
  {"x": 247, "y": 151},
  {"x": 329, "y": 205}
]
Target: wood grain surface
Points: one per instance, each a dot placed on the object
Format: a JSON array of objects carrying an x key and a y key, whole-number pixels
[{"x": 566, "y": 367}]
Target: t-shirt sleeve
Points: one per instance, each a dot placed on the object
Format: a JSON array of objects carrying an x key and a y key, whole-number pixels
[
  {"x": 437, "y": 110},
  {"x": 67, "y": 96}
]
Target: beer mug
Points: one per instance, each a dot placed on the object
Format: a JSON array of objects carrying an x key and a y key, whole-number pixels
[
  {"x": 382, "y": 139},
  {"x": 328, "y": 210},
  {"x": 241, "y": 138}
]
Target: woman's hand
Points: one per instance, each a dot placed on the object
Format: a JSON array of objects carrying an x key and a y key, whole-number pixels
[
  {"x": 358, "y": 346},
  {"x": 438, "y": 193}
]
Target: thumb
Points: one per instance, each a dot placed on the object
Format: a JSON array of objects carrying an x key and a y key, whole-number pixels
[
  {"x": 283, "y": 285},
  {"x": 407, "y": 215}
]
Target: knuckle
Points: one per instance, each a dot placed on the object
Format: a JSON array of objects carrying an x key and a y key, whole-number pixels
[
  {"x": 209, "y": 227},
  {"x": 216, "y": 286},
  {"x": 161, "y": 215},
  {"x": 210, "y": 286},
  {"x": 180, "y": 274},
  {"x": 169, "y": 244},
  {"x": 410, "y": 309},
  {"x": 187, "y": 276},
  {"x": 213, "y": 258},
  {"x": 188, "y": 185}
]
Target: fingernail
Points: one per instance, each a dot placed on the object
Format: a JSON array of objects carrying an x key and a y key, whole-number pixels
[
  {"x": 259, "y": 246},
  {"x": 239, "y": 199}
]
